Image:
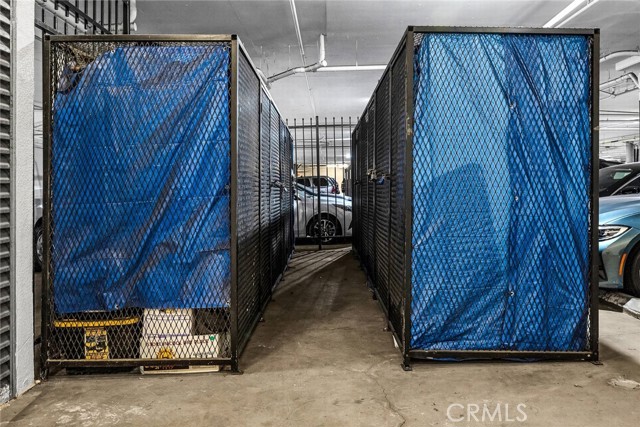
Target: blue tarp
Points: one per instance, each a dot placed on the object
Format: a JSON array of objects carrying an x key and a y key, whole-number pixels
[
  {"x": 140, "y": 180},
  {"x": 502, "y": 149}
]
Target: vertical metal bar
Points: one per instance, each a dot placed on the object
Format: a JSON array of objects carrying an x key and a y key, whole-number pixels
[
  {"x": 115, "y": 25},
  {"x": 46, "y": 220},
  {"x": 374, "y": 234},
  {"x": 595, "y": 139},
  {"x": 109, "y": 16},
  {"x": 261, "y": 277},
  {"x": 304, "y": 169},
  {"x": 102, "y": 15},
  {"x": 126, "y": 9},
  {"x": 344, "y": 220},
  {"x": 86, "y": 8},
  {"x": 318, "y": 183},
  {"x": 66, "y": 15},
  {"x": 93, "y": 16},
  {"x": 408, "y": 197},
  {"x": 326, "y": 162},
  {"x": 351, "y": 180},
  {"x": 233, "y": 208},
  {"x": 392, "y": 177},
  {"x": 55, "y": 17}
]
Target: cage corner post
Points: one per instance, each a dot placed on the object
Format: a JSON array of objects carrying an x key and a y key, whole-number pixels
[
  {"x": 233, "y": 211},
  {"x": 46, "y": 219},
  {"x": 595, "y": 144},
  {"x": 408, "y": 197}
]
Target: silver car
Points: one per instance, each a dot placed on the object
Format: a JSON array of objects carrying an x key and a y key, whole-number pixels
[
  {"x": 333, "y": 221},
  {"x": 327, "y": 184}
]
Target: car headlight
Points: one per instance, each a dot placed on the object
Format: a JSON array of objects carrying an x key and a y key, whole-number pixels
[
  {"x": 343, "y": 207},
  {"x": 607, "y": 232}
]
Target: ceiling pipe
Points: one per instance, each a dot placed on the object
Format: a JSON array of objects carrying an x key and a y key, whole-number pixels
[
  {"x": 354, "y": 68},
  {"x": 294, "y": 13},
  {"x": 304, "y": 69},
  {"x": 296, "y": 24},
  {"x": 619, "y": 80},
  {"x": 561, "y": 18},
  {"x": 578, "y": 12},
  {"x": 563, "y": 13},
  {"x": 619, "y": 54}
]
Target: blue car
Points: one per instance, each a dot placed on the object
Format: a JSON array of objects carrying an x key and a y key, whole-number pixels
[{"x": 619, "y": 236}]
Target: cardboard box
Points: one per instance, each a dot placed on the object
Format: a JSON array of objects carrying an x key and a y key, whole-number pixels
[
  {"x": 180, "y": 347},
  {"x": 166, "y": 346},
  {"x": 167, "y": 321}
]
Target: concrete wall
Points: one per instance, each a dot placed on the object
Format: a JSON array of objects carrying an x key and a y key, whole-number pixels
[{"x": 22, "y": 195}]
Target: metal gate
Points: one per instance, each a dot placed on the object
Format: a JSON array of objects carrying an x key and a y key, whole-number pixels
[
  {"x": 6, "y": 296},
  {"x": 323, "y": 183}
]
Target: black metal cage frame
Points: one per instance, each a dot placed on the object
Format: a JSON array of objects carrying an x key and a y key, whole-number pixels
[
  {"x": 392, "y": 258},
  {"x": 259, "y": 252}
]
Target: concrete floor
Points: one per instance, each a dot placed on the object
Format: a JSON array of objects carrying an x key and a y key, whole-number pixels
[{"x": 322, "y": 357}]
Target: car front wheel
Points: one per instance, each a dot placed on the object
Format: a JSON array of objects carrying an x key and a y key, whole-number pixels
[
  {"x": 632, "y": 276},
  {"x": 326, "y": 227}
]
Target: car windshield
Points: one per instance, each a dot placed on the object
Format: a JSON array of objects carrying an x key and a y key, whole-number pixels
[{"x": 615, "y": 176}]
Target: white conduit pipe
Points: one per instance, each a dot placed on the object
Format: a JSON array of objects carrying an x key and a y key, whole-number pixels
[
  {"x": 305, "y": 69},
  {"x": 619, "y": 54},
  {"x": 619, "y": 80}
]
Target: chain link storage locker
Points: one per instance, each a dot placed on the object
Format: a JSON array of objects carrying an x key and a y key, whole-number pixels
[
  {"x": 161, "y": 246},
  {"x": 480, "y": 238}
]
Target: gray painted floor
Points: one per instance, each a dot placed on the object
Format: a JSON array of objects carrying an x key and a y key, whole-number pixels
[{"x": 322, "y": 357}]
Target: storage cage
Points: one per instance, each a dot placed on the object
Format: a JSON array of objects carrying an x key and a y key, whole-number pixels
[
  {"x": 168, "y": 205},
  {"x": 476, "y": 193}
]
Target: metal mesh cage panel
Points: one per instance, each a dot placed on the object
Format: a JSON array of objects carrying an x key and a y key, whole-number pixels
[
  {"x": 397, "y": 234},
  {"x": 139, "y": 239},
  {"x": 265, "y": 193},
  {"x": 250, "y": 299},
  {"x": 501, "y": 183},
  {"x": 382, "y": 145}
]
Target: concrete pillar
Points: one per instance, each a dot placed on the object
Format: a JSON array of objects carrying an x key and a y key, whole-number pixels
[
  {"x": 629, "y": 152},
  {"x": 22, "y": 194}
]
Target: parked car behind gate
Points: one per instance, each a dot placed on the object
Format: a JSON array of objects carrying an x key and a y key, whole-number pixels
[
  {"x": 327, "y": 184},
  {"x": 619, "y": 236},
  {"x": 335, "y": 214},
  {"x": 620, "y": 179}
]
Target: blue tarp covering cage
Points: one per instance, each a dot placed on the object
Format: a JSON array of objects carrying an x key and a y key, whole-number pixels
[
  {"x": 152, "y": 153},
  {"x": 498, "y": 205}
]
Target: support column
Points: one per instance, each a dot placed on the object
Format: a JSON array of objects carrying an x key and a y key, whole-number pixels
[{"x": 22, "y": 51}]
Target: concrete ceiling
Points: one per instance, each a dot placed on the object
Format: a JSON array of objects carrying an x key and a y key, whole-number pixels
[{"x": 367, "y": 32}]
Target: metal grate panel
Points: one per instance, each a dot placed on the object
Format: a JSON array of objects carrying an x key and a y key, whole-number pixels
[
  {"x": 397, "y": 204},
  {"x": 382, "y": 190},
  {"x": 6, "y": 297},
  {"x": 250, "y": 300}
]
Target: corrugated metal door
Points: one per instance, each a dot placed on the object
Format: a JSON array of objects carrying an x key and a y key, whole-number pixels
[{"x": 5, "y": 205}]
